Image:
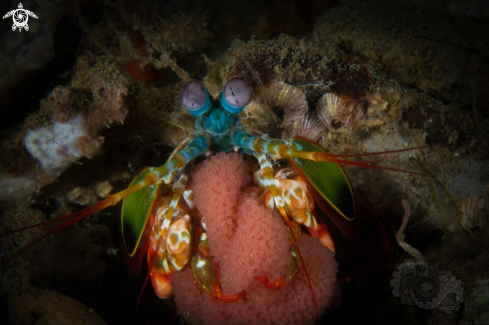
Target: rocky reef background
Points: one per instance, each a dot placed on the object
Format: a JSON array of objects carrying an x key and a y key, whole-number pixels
[{"x": 417, "y": 70}]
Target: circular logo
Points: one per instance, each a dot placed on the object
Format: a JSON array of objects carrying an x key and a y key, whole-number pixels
[
  {"x": 425, "y": 289},
  {"x": 20, "y": 17}
]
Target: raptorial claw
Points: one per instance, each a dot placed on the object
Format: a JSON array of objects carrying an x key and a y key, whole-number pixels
[
  {"x": 277, "y": 283},
  {"x": 292, "y": 267},
  {"x": 299, "y": 204},
  {"x": 207, "y": 272},
  {"x": 170, "y": 242},
  {"x": 162, "y": 286}
]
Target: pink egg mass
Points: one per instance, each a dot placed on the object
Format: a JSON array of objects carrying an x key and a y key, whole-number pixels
[{"x": 247, "y": 240}]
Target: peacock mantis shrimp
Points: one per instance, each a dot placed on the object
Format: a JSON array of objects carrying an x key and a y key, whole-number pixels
[{"x": 170, "y": 229}]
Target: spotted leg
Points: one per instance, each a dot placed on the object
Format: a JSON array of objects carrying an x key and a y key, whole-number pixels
[
  {"x": 267, "y": 172},
  {"x": 170, "y": 241},
  {"x": 299, "y": 204}
]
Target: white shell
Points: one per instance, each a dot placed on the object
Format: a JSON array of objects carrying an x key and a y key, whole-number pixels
[
  {"x": 339, "y": 115},
  {"x": 308, "y": 127},
  {"x": 474, "y": 214},
  {"x": 291, "y": 99}
]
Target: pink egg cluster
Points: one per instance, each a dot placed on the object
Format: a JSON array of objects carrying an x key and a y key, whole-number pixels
[{"x": 247, "y": 240}]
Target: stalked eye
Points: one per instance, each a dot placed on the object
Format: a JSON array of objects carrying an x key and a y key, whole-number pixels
[
  {"x": 195, "y": 98},
  {"x": 237, "y": 94}
]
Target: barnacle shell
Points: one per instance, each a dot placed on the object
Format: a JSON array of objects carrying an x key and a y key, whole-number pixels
[
  {"x": 380, "y": 111},
  {"x": 473, "y": 214},
  {"x": 339, "y": 115},
  {"x": 308, "y": 127},
  {"x": 103, "y": 189},
  {"x": 82, "y": 196},
  {"x": 291, "y": 99}
]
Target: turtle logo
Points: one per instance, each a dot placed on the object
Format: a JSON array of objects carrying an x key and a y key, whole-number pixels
[
  {"x": 20, "y": 17},
  {"x": 424, "y": 285}
]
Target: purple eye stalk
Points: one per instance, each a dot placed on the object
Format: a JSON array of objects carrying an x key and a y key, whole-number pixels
[
  {"x": 195, "y": 98},
  {"x": 236, "y": 95}
]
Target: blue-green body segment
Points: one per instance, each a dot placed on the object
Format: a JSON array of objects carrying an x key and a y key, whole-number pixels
[
  {"x": 328, "y": 179},
  {"x": 218, "y": 126},
  {"x": 243, "y": 140}
]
